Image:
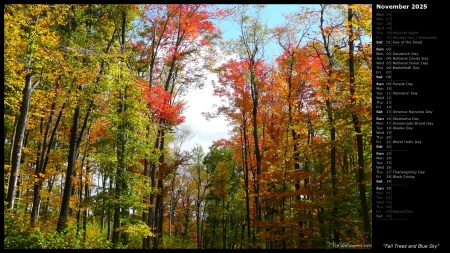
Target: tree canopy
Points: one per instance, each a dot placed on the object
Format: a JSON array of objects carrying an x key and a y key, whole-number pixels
[{"x": 94, "y": 151}]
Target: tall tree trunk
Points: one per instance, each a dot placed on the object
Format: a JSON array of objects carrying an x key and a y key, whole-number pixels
[
  {"x": 41, "y": 165},
  {"x": 152, "y": 207},
  {"x": 120, "y": 181},
  {"x": 198, "y": 203},
  {"x": 246, "y": 176},
  {"x": 102, "y": 224},
  {"x": 48, "y": 147},
  {"x": 331, "y": 122},
  {"x": 359, "y": 137},
  {"x": 159, "y": 195},
  {"x": 255, "y": 99},
  {"x": 18, "y": 140},
  {"x": 74, "y": 144},
  {"x": 81, "y": 186},
  {"x": 36, "y": 180},
  {"x": 85, "y": 211},
  {"x": 296, "y": 151},
  {"x": 108, "y": 212},
  {"x": 120, "y": 170},
  {"x": 64, "y": 213},
  {"x": 146, "y": 199},
  {"x": 224, "y": 226},
  {"x": 80, "y": 199},
  {"x": 50, "y": 184},
  {"x": 172, "y": 204}
]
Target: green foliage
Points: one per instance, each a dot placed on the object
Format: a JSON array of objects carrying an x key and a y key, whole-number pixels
[
  {"x": 174, "y": 242},
  {"x": 17, "y": 234},
  {"x": 56, "y": 240},
  {"x": 215, "y": 155},
  {"x": 135, "y": 230},
  {"x": 95, "y": 239}
]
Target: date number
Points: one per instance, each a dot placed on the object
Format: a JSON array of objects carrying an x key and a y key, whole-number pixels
[{"x": 418, "y": 6}]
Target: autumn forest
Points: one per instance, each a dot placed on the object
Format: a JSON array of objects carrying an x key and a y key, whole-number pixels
[{"x": 94, "y": 96}]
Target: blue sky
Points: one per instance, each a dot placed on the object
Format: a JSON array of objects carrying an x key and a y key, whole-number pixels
[{"x": 272, "y": 15}]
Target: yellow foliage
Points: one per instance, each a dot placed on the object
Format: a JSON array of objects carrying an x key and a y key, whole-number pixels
[{"x": 140, "y": 229}]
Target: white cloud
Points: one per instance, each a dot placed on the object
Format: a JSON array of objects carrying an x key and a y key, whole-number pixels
[
  {"x": 199, "y": 101},
  {"x": 204, "y": 131}
]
